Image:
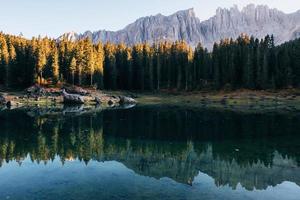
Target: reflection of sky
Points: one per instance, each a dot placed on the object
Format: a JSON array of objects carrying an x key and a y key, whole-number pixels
[{"x": 112, "y": 180}]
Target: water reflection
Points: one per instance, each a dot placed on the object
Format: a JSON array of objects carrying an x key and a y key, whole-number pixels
[{"x": 250, "y": 151}]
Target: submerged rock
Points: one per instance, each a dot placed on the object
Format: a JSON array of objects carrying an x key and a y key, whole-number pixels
[
  {"x": 72, "y": 98},
  {"x": 73, "y": 109}
]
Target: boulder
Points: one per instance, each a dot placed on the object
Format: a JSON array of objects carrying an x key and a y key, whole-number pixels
[
  {"x": 110, "y": 102},
  {"x": 54, "y": 92},
  {"x": 126, "y": 100},
  {"x": 2, "y": 100},
  {"x": 72, "y": 98},
  {"x": 97, "y": 100},
  {"x": 36, "y": 90},
  {"x": 77, "y": 90},
  {"x": 12, "y": 104},
  {"x": 9, "y": 104}
]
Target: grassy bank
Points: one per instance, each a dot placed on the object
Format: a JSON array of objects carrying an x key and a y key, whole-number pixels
[{"x": 242, "y": 100}]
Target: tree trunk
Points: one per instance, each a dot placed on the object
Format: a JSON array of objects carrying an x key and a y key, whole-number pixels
[
  {"x": 41, "y": 77},
  {"x": 7, "y": 76}
]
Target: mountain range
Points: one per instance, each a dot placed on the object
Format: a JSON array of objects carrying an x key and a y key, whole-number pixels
[{"x": 257, "y": 21}]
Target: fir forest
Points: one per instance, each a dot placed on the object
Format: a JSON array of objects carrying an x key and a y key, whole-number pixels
[
  {"x": 180, "y": 105},
  {"x": 242, "y": 63}
]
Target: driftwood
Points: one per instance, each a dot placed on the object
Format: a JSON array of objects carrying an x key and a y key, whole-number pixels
[{"x": 72, "y": 98}]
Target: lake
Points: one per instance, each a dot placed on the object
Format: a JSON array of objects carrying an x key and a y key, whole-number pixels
[{"x": 157, "y": 152}]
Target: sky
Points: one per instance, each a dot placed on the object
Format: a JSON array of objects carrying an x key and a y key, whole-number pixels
[{"x": 54, "y": 17}]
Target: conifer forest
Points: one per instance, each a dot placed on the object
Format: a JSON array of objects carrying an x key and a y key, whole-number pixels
[{"x": 245, "y": 62}]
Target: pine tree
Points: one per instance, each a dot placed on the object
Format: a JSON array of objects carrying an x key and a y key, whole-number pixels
[
  {"x": 120, "y": 62},
  {"x": 158, "y": 55},
  {"x": 188, "y": 71},
  {"x": 40, "y": 63},
  {"x": 11, "y": 64},
  {"x": 137, "y": 67},
  {"x": 55, "y": 66},
  {"x": 244, "y": 62},
  {"x": 216, "y": 68},
  {"x": 4, "y": 60},
  {"x": 250, "y": 65},
  {"x": 110, "y": 71},
  {"x": 148, "y": 67},
  {"x": 89, "y": 67},
  {"x": 265, "y": 71},
  {"x": 99, "y": 60},
  {"x": 80, "y": 61},
  {"x": 72, "y": 68},
  {"x": 127, "y": 68},
  {"x": 199, "y": 66}
]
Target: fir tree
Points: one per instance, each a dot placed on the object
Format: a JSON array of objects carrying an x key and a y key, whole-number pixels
[{"x": 72, "y": 68}]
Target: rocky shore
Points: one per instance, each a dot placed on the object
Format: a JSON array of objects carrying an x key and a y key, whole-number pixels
[
  {"x": 287, "y": 100},
  {"x": 66, "y": 95}
]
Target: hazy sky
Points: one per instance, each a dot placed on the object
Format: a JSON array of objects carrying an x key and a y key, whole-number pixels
[{"x": 54, "y": 17}]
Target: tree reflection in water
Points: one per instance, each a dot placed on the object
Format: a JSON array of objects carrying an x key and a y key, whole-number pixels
[{"x": 256, "y": 150}]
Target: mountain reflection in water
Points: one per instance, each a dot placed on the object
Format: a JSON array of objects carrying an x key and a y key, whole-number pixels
[{"x": 205, "y": 148}]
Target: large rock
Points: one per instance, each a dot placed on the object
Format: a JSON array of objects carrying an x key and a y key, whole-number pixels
[
  {"x": 7, "y": 102},
  {"x": 184, "y": 25},
  {"x": 97, "y": 100},
  {"x": 126, "y": 100},
  {"x": 72, "y": 98},
  {"x": 36, "y": 90},
  {"x": 76, "y": 90},
  {"x": 2, "y": 100}
]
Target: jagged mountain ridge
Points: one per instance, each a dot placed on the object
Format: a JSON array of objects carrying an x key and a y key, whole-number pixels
[{"x": 184, "y": 25}]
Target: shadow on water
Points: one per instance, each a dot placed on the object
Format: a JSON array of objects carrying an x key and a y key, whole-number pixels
[{"x": 254, "y": 150}]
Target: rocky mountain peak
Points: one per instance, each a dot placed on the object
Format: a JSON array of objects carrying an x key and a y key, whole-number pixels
[
  {"x": 256, "y": 20},
  {"x": 187, "y": 13},
  {"x": 72, "y": 36}
]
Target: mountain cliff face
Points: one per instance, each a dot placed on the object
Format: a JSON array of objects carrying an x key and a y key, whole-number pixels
[
  {"x": 252, "y": 20},
  {"x": 184, "y": 25}
]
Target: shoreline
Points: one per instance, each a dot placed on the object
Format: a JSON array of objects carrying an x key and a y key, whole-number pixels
[{"x": 240, "y": 100}]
